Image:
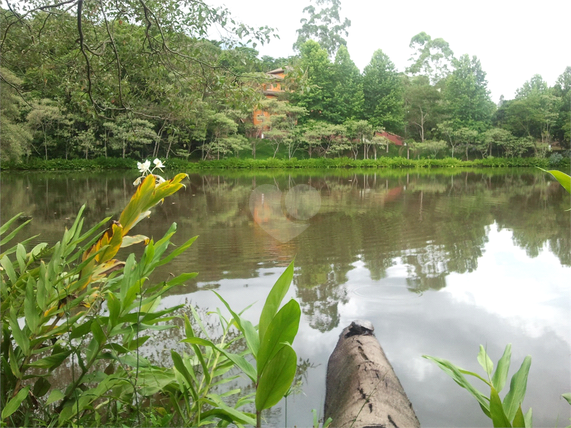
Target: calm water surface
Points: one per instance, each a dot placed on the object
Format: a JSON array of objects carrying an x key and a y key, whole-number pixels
[{"x": 439, "y": 262}]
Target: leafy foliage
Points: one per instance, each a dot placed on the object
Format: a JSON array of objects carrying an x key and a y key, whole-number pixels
[
  {"x": 324, "y": 26},
  {"x": 503, "y": 413}
]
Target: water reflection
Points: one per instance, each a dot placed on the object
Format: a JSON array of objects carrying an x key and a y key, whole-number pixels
[{"x": 440, "y": 262}]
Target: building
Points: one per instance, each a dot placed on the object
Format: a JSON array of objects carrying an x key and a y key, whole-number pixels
[
  {"x": 397, "y": 140},
  {"x": 271, "y": 90}
]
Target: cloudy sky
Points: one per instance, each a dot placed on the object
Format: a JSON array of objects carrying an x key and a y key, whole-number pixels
[{"x": 513, "y": 39}]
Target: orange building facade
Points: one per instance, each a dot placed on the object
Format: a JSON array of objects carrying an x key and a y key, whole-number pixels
[{"x": 272, "y": 89}]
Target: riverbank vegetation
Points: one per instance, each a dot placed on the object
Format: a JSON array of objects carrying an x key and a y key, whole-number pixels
[
  {"x": 77, "y": 306},
  {"x": 146, "y": 80},
  {"x": 294, "y": 163}
]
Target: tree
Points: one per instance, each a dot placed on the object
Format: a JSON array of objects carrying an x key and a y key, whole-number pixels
[
  {"x": 498, "y": 136},
  {"x": 432, "y": 58},
  {"x": 383, "y": 94},
  {"x": 325, "y": 138},
  {"x": 44, "y": 116},
  {"x": 422, "y": 106},
  {"x": 562, "y": 125},
  {"x": 317, "y": 95},
  {"x": 15, "y": 134},
  {"x": 347, "y": 94},
  {"x": 323, "y": 26},
  {"x": 360, "y": 133},
  {"x": 158, "y": 32},
  {"x": 282, "y": 124},
  {"x": 467, "y": 96},
  {"x": 534, "y": 111},
  {"x": 129, "y": 134}
]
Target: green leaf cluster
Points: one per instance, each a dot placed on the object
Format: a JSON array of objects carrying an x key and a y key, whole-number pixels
[{"x": 503, "y": 413}]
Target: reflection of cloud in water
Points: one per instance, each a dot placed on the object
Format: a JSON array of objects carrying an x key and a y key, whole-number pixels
[{"x": 522, "y": 296}]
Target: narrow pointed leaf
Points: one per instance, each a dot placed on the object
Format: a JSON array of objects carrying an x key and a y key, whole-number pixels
[
  {"x": 501, "y": 374},
  {"x": 518, "y": 385},
  {"x": 246, "y": 327},
  {"x": 528, "y": 419},
  {"x": 519, "y": 421},
  {"x": 282, "y": 329},
  {"x": 15, "y": 402},
  {"x": 274, "y": 299},
  {"x": 485, "y": 361},
  {"x": 454, "y": 373},
  {"x": 499, "y": 418}
]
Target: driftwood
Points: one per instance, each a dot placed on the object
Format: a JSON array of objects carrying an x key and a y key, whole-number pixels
[{"x": 362, "y": 387}]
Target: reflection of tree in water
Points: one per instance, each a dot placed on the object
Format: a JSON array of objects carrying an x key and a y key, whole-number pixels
[
  {"x": 320, "y": 290},
  {"x": 437, "y": 223}
]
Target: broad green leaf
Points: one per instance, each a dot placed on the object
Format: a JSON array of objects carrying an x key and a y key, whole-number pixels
[
  {"x": 183, "y": 370},
  {"x": 497, "y": 411},
  {"x": 564, "y": 179},
  {"x": 15, "y": 402},
  {"x": 153, "y": 381},
  {"x": 98, "y": 333},
  {"x": 21, "y": 339},
  {"x": 31, "y": 313},
  {"x": 485, "y": 361},
  {"x": 454, "y": 373},
  {"x": 51, "y": 362},
  {"x": 114, "y": 306},
  {"x": 501, "y": 374},
  {"x": 21, "y": 258},
  {"x": 54, "y": 396},
  {"x": 282, "y": 329},
  {"x": 276, "y": 378},
  {"x": 519, "y": 421},
  {"x": 518, "y": 385},
  {"x": 567, "y": 396},
  {"x": 132, "y": 240},
  {"x": 41, "y": 387},
  {"x": 274, "y": 299},
  {"x": 15, "y": 369},
  {"x": 9, "y": 269}
]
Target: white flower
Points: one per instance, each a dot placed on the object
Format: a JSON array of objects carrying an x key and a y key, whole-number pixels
[
  {"x": 137, "y": 181},
  {"x": 159, "y": 164},
  {"x": 159, "y": 180},
  {"x": 144, "y": 167}
]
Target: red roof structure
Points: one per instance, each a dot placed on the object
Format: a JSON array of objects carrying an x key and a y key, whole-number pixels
[{"x": 394, "y": 138}]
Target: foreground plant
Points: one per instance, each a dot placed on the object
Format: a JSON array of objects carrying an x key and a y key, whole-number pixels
[
  {"x": 562, "y": 178},
  {"x": 503, "y": 413},
  {"x": 270, "y": 345},
  {"x": 51, "y": 315}
]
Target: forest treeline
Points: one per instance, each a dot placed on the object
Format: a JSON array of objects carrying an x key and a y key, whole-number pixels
[{"x": 84, "y": 79}]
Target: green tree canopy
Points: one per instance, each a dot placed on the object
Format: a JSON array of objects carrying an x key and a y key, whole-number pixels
[
  {"x": 383, "y": 94},
  {"x": 324, "y": 26}
]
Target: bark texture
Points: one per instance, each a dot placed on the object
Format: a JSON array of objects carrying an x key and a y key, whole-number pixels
[{"x": 362, "y": 387}]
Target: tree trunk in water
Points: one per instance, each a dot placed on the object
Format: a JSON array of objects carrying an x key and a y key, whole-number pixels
[{"x": 362, "y": 389}]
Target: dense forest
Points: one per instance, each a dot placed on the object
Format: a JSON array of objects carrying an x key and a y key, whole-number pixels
[{"x": 84, "y": 79}]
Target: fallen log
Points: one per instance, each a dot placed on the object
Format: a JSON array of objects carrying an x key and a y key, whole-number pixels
[{"x": 362, "y": 389}]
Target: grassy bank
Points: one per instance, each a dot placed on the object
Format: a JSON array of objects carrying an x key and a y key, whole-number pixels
[{"x": 236, "y": 163}]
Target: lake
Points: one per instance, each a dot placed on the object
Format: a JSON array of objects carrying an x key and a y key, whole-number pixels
[{"x": 440, "y": 261}]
